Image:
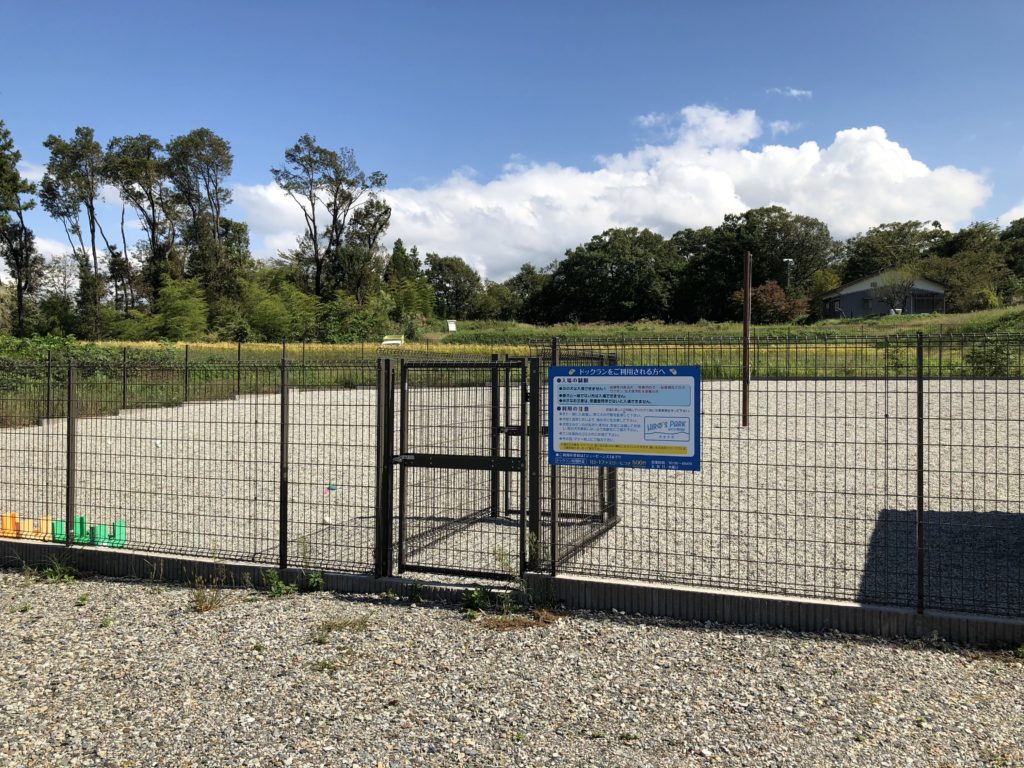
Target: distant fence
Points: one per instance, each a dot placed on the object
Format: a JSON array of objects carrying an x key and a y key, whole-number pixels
[{"x": 878, "y": 470}]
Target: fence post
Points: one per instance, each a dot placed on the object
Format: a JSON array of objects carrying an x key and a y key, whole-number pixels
[
  {"x": 385, "y": 461},
  {"x": 555, "y": 358},
  {"x": 533, "y": 430},
  {"x": 495, "y": 436},
  {"x": 186, "y": 373},
  {"x": 282, "y": 532},
  {"x": 69, "y": 498},
  {"x": 747, "y": 269},
  {"x": 238, "y": 369},
  {"x": 124, "y": 378},
  {"x": 49, "y": 383},
  {"x": 920, "y": 472}
]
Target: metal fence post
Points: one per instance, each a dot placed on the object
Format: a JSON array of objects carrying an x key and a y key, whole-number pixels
[
  {"x": 124, "y": 378},
  {"x": 555, "y": 357},
  {"x": 747, "y": 278},
  {"x": 383, "y": 565},
  {"x": 238, "y": 370},
  {"x": 495, "y": 436},
  {"x": 186, "y": 373},
  {"x": 920, "y": 472},
  {"x": 69, "y": 498},
  {"x": 533, "y": 430},
  {"x": 49, "y": 383},
  {"x": 282, "y": 532}
]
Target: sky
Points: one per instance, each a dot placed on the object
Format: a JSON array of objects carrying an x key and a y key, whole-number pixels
[{"x": 513, "y": 131}]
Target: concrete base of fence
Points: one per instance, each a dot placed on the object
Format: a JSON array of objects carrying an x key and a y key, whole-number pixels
[
  {"x": 657, "y": 600},
  {"x": 745, "y": 608}
]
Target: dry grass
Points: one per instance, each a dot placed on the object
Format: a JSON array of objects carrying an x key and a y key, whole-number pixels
[
  {"x": 339, "y": 624},
  {"x": 205, "y": 597}
]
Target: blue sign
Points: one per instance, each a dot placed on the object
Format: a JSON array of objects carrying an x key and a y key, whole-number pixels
[{"x": 647, "y": 417}]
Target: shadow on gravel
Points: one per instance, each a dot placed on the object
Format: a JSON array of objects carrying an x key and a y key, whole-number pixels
[{"x": 973, "y": 562}]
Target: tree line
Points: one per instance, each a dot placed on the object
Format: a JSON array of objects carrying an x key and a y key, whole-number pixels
[{"x": 191, "y": 274}]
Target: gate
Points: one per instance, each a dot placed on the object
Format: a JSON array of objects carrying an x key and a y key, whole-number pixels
[{"x": 462, "y": 462}]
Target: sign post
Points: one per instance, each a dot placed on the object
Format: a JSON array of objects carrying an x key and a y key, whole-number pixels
[{"x": 644, "y": 417}]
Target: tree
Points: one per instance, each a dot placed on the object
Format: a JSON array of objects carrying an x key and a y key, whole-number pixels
[
  {"x": 17, "y": 242},
  {"x": 620, "y": 275},
  {"x": 821, "y": 282},
  {"x": 773, "y": 236},
  {"x": 402, "y": 264},
  {"x": 893, "y": 287},
  {"x": 972, "y": 264},
  {"x": 137, "y": 167},
  {"x": 455, "y": 284},
  {"x": 198, "y": 165},
  {"x": 769, "y": 304},
  {"x": 888, "y": 246},
  {"x": 328, "y": 186},
  {"x": 73, "y": 183},
  {"x": 182, "y": 310},
  {"x": 528, "y": 287},
  {"x": 1013, "y": 239}
]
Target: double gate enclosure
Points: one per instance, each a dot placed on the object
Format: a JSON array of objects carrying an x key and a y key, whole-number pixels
[{"x": 872, "y": 474}]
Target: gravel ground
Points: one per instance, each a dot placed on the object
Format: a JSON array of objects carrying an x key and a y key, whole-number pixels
[
  {"x": 816, "y": 498},
  {"x": 104, "y": 673}
]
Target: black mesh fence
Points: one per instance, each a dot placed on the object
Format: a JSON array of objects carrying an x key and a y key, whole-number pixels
[{"x": 881, "y": 470}]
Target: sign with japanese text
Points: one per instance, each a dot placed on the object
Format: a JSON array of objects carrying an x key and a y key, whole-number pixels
[{"x": 646, "y": 417}]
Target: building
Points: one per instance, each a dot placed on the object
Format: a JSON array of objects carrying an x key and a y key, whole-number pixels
[{"x": 859, "y": 298}]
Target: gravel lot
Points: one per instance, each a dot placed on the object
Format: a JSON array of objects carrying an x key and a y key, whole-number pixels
[
  {"x": 104, "y": 673},
  {"x": 816, "y": 498}
]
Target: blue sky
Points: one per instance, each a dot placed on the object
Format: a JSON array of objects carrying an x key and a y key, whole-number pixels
[{"x": 511, "y": 131}]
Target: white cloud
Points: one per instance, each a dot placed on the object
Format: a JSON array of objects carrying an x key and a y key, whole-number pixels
[
  {"x": 783, "y": 127},
  {"x": 532, "y": 212},
  {"x": 793, "y": 93},
  {"x": 32, "y": 171},
  {"x": 1017, "y": 212}
]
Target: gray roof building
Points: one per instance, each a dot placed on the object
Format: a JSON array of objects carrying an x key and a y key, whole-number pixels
[{"x": 859, "y": 298}]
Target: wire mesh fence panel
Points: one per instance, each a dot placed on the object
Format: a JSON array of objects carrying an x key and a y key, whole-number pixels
[
  {"x": 808, "y": 500},
  {"x": 33, "y": 449},
  {"x": 199, "y": 478},
  {"x": 332, "y": 464},
  {"x": 974, "y": 517}
]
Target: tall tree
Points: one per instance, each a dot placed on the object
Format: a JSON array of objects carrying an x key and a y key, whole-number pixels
[
  {"x": 620, "y": 275},
  {"x": 328, "y": 186},
  {"x": 17, "y": 243},
  {"x": 887, "y": 246},
  {"x": 73, "y": 184},
  {"x": 1013, "y": 238},
  {"x": 455, "y": 284},
  {"x": 137, "y": 167}
]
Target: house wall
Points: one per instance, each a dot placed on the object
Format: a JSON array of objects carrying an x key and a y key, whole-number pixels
[{"x": 862, "y": 304}]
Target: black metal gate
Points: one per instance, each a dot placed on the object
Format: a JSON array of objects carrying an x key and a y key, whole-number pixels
[{"x": 462, "y": 461}]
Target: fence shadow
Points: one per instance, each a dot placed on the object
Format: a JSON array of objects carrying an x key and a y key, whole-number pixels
[{"x": 974, "y": 561}]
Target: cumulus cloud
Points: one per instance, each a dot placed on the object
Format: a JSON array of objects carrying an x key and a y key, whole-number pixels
[
  {"x": 710, "y": 166},
  {"x": 793, "y": 93},
  {"x": 1017, "y": 212},
  {"x": 782, "y": 126}
]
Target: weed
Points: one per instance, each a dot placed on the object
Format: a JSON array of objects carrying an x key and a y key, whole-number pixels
[
  {"x": 276, "y": 586},
  {"x": 82, "y": 599},
  {"x": 628, "y": 736},
  {"x": 477, "y": 599},
  {"x": 106, "y": 621},
  {"x": 339, "y": 624},
  {"x": 23, "y": 608},
  {"x": 259, "y": 648},
  {"x": 312, "y": 581},
  {"x": 327, "y": 665},
  {"x": 205, "y": 597},
  {"x": 1019, "y": 653},
  {"x": 59, "y": 572},
  {"x": 389, "y": 595},
  {"x": 415, "y": 594}
]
